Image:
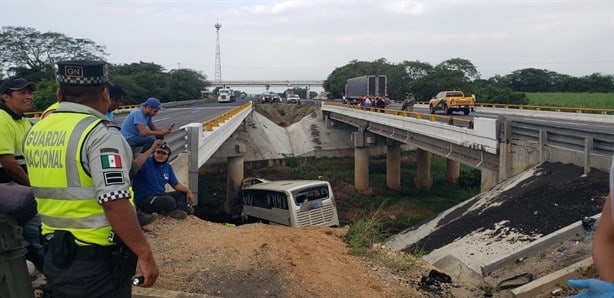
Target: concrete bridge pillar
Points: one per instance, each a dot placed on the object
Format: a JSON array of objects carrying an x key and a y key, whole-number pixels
[
  {"x": 452, "y": 171},
  {"x": 361, "y": 168},
  {"x": 489, "y": 179},
  {"x": 393, "y": 166},
  {"x": 234, "y": 176},
  {"x": 423, "y": 178}
]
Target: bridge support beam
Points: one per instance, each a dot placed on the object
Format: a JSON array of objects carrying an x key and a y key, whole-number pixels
[
  {"x": 489, "y": 179},
  {"x": 423, "y": 178},
  {"x": 234, "y": 176},
  {"x": 452, "y": 171},
  {"x": 393, "y": 165},
  {"x": 361, "y": 168}
]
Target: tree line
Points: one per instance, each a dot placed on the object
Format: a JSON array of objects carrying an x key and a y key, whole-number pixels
[
  {"x": 424, "y": 80},
  {"x": 31, "y": 54}
]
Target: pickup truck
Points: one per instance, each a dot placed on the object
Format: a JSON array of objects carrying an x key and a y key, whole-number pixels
[{"x": 451, "y": 101}]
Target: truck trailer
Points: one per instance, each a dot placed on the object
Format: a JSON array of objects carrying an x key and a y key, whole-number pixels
[{"x": 357, "y": 89}]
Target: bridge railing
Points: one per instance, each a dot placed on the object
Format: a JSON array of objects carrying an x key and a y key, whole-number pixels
[
  {"x": 217, "y": 130},
  {"x": 419, "y": 116},
  {"x": 559, "y": 109},
  {"x": 478, "y": 134},
  {"x": 578, "y": 139}
]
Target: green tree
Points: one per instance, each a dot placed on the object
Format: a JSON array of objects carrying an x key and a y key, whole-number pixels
[
  {"x": 141, "y": 81},
  {"x": 44, "y": 95},
  {"x": 531, "y": 80},
  {"x": 146, "y": 79},
  {"x": 185, "y": 84},
  {"x": 27, "y": 52}
]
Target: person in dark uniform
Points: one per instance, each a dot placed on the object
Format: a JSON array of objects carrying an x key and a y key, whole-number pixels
[{"x": 79, "y": 170}]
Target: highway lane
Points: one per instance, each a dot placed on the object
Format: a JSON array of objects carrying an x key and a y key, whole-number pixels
[
  {"x": 202, "y": 112},
  {"x": 181, "y": 116}
]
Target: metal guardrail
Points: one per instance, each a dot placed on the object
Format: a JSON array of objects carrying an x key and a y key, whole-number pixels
[
  {"x": 601, "y": 143},
  {"x": 420, "y": 116},
  {"x": 211, "y": 124},
  {"x": 579, "y": 110},
  {"x": 548, "y": 108}
]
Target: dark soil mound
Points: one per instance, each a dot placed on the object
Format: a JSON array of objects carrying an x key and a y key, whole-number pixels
[{"x": 555, "y": 197}]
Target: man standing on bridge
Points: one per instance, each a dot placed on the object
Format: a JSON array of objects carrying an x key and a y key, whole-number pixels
[
  {"x": 138, "y": 128},
  {"x": 409, "y": 102}
]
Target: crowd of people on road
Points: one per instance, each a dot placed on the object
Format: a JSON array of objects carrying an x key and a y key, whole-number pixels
[
  {"x": 381, "y": 102},
  {"x": 72, "y": 184}
]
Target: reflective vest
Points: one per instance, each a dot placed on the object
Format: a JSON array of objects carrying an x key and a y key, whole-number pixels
[
  {"x": 64, "y": 191},
  {"x": 50, "y": 109}
]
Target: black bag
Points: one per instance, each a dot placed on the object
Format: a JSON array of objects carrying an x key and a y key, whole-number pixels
[{"x": 62, "y": 248}]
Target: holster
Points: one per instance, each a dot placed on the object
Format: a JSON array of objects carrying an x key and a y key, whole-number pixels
[
  {"x": 62, "y": 248},
  {"x": 124, "y": 264}
]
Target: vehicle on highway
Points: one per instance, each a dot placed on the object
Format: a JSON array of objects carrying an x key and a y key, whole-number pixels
[
  {"x": 293, "y": 98},
  {"x": 270, "y": 97},
  {"x": 225, "y": 95},
  {"x": 359, "y": 88},
  {"x": 267, "y": 97},
  {"x": 295, "y": 203},
  {"x": 452, "y": 101}
]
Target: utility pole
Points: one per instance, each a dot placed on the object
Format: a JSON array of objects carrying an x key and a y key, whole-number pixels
[{"x": 218, "y": 60}]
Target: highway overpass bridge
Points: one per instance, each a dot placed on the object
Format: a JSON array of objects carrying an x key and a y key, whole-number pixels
[
  {"x": 500, "y": 148},
  {"x": 271, "y": 83}
]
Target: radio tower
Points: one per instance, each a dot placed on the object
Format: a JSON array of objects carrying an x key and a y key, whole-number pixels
[{"x": 218, "y": 60}]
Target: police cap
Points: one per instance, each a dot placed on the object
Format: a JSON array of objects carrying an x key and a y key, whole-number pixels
[{"x": 83, "y": 73}]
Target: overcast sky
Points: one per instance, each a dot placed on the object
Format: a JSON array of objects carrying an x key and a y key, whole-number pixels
[{"x": 307, "y": 40}]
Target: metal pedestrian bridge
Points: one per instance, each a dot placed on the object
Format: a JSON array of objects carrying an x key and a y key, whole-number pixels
[{"x": 270, "y": 83}]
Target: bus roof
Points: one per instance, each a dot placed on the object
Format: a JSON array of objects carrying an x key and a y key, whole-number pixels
[{"x": 289, "y": 185}]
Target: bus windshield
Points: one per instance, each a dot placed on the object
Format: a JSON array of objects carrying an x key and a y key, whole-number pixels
[{"x": 313, "y": 193}]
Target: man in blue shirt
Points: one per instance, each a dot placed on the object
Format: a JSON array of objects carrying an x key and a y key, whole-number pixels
[
  {"x": 154, "y": 172},
  {"x": 138, "y": 128}
]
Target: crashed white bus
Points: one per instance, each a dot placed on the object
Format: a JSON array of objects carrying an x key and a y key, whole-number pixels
[{"x": 296, "y": 203}]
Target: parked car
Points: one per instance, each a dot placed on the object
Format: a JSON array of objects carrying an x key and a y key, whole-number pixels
[
  {"x": 275, "y": 98},
  {"x": 267, "y": 98},
  {"x": 293, "y": 98}
]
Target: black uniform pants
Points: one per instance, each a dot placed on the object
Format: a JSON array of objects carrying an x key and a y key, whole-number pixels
[
  {"x": 85, "y": 278},
  {"x": 164, "y": 203}
]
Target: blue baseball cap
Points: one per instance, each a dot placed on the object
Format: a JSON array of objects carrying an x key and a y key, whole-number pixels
[{"x": 152, "y": 102}]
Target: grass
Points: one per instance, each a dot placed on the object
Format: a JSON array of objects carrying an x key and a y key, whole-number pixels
[{"x": 576, "y": 100}]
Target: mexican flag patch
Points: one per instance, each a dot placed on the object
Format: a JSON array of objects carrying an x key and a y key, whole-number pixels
[{"x": 111, "y": 161}]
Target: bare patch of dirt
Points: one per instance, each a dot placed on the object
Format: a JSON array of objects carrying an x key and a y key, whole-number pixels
[
  {"x": 284, "y": 114},
  {"x": 258, "y": 260}
]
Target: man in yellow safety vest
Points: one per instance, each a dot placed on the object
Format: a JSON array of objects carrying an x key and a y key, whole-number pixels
[{"x": 79, "y": 170}]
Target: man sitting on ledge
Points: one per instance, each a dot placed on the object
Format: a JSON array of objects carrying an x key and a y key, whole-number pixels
[
  {"x": 154, "y": 172},
  {"x": 138, "y": 128}
]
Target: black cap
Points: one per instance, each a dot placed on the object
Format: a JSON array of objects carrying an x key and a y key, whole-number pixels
[
  {"x": 16, "y": 83},
  {"x": 83, "y": 73},
  {"x": 115, "y": 91}
]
